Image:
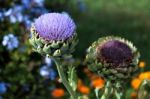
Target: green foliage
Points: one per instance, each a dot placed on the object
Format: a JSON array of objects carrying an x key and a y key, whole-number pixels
[{"x": 20, "y": 67}]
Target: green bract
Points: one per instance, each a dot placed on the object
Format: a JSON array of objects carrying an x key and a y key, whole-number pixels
[
  {"x": 53, "y": 48},
  {"x": 105, "y": 67}
]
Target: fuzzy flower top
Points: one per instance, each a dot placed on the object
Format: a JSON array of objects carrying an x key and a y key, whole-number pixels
[
  {"x": 115, "y": 52},
  {"x": 55, "y": 26}
]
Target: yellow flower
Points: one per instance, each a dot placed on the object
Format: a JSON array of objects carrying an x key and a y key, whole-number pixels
[
  {"x": 98, "y": 83},
  {"x": 135, "y": 83},
  {"x": 58, "y": 92},
  {"x": 142, "y": 64},
  {"x": 144, "y": 75}
]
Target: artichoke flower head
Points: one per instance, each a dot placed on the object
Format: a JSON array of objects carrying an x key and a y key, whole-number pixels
[
  {"x": 54, "y": 34},
  {"x": 113, "y": 58}
]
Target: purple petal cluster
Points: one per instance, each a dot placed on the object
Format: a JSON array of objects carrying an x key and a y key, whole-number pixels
[
  {"x": 55, "y": 26},
  {"x": 115, "y": 52}
]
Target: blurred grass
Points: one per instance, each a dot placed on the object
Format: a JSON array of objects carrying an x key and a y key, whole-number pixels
[{"x": 125, "y": 18}]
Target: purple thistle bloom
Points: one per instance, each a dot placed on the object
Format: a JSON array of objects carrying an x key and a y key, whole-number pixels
[
  {"x": 115, "y": 52},
  {"x": 55, "y": 26}
]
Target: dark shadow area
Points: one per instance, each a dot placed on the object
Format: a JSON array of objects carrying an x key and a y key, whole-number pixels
[{"x": 132, "y": 26}]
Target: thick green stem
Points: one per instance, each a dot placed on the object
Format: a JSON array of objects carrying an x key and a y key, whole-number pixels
[
  {"x": 63, "y": 79},
  {"x": 107, "y": 91},
  {"x": 118, "y": 94},
  {"x": 111, "y": 89},
  {"x": 118, "y": 90}
]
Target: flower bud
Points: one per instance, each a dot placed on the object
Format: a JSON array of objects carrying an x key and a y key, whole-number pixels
[{"x": 113, "y": 58}]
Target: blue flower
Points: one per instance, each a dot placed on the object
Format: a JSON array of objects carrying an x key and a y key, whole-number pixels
[
  {"x": 27, "y": 21},
  {"x": 48, "y": 61},
  {"x": 55, "y": 26},
  {"x": 8, "y": 12},
  {"x": 16, "y": 18},
  {"x": 26, "y": 3},
  {"x": 52, "y": 74},
  {"x": 3, "y": 88},
  {"x": 1, "y": 16},
  {"x": 10, "y": 41},
  {"x": 39, "y": 2},
  {"x": 44, "y": 71},
  {"x": 47, "y": 72},
  {"x": 29, "y": 3},
  {"x": 15, "y": 14}
]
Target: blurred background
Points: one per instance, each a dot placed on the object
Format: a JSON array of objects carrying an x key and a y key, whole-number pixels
[{"x": 25, "y": 74}]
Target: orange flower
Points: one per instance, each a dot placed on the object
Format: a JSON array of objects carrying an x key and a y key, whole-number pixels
[
  {"x": 142, "y": 64},
  {"x": 80, "y": 83},
  {"x": 57, "y": 93},
  {"x": 135, "y": 83},
  {"x": 98, "y": 83},
  {"x": 144, "y": 75},
  {"x": 133, "y": 95},
  {"x": 84, "y": 89}
]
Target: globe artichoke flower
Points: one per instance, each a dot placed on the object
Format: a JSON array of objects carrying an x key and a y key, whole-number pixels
[
  {"x": 53, "y": 34},
  {"x": 113, "y": 58}
]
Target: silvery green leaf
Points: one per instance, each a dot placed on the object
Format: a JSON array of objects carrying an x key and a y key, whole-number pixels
[{"x": 72, "y": 77}]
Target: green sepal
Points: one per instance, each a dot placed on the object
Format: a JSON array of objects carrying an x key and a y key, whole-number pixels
[
  {"x": 113, "y": 71},
  {"x": 47, "y": 49},
  {"x": 55, "y": 44},
  {"x": 39, "y": 42},
  {"x": 120, "y": 75},
  {"x": 32, "y": 42},
  {"x": 64, "y": 47},
  {"x": 57, "y": 53}
]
